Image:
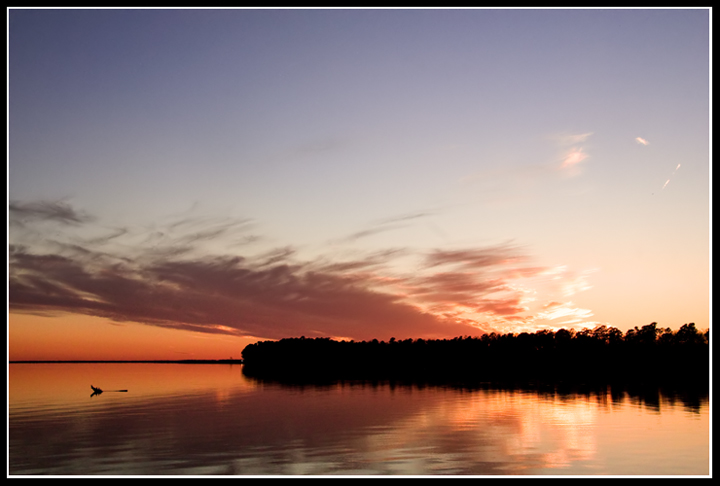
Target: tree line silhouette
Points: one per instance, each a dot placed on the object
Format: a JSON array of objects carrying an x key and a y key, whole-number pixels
[{"x": 650, "y": 354}]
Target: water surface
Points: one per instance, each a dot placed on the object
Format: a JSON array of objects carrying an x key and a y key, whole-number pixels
[{"x": 181, "y": 419}]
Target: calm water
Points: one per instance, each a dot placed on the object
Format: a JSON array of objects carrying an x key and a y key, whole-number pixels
[{"x": 181, "y": 419}]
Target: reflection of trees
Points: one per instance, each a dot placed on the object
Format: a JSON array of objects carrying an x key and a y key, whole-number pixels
[
  {"x": 647, "y": 355},
  {"x": 605, "y": 395}
]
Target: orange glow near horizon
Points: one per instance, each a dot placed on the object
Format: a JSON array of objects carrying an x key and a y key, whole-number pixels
[{"x": 78, "y": 337}]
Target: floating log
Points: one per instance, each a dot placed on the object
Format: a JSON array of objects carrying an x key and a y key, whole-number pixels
[{"x": 98, "y": 391}]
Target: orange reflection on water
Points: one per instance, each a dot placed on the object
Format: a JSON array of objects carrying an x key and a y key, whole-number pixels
[
  {"x": 68, "y": 383},
  {"x": 532, "y": 432},
  {"x": 219, "y": 419},
  {"x": 551, "y": 430}
]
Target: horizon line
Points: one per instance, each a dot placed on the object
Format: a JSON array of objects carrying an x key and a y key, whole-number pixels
[{"x": 189, "y": 361}]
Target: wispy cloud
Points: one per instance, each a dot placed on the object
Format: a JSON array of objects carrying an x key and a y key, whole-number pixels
[
  {"x": 384, "y": 225},
  {"x": 573, "y": 151},
  {"x": 572, "y": 139},
  {"x": 573, "y": 157},
  {"x": 567, "y": 311},
  {"x": 53, "y": 211},
  {"x": 642, "y": 141},
  {"x": 268, "y": 298},
  {"x": 511, "y": 182},
  {"x": 474, "y": 257},
  {"x": 671, "y": 176},
  {"x": 175, "y": 282}
]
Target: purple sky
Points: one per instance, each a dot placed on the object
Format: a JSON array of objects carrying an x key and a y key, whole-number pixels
[{"x": 360, "y": 173}]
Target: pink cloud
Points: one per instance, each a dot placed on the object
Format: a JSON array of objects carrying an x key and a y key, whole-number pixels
[
  {"x": 174, "y": 283},
  {"x": 573, "y": 157}
]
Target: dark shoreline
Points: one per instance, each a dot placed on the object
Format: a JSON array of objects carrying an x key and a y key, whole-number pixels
[{"x": 649, "y": 356}]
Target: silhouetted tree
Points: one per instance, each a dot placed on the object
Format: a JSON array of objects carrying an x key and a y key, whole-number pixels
[
  {"x": 642, "y": 355},
  {"x": 687, "y": 334}
]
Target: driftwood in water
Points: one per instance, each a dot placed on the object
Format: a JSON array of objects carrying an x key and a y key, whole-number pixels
[{"x": 98, "y": 391}]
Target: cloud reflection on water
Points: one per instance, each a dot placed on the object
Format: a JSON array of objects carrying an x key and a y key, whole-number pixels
[{"x": 238, "y": 426}]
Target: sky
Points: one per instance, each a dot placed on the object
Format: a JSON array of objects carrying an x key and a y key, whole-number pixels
[{"x": 183, "y": 182}]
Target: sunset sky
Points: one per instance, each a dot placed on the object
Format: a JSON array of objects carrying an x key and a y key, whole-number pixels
[{"x": 183, "y": 182}]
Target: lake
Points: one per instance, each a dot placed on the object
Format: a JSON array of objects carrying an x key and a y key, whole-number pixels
[{"x": 210, "y": 419}]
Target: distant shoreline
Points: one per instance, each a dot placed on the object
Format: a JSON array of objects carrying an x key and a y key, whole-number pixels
[{"x": 159, "y": 361}]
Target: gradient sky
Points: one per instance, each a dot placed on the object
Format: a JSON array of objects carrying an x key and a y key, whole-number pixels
[{"x": 183, "y": 182}]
